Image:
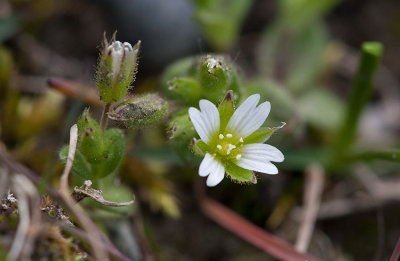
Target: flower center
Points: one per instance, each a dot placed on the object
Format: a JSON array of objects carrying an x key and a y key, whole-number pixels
[{"x": 229, "y": 146}]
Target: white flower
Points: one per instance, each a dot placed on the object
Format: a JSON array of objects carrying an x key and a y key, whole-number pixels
[
  {"x": 234, "y": 146},
  {"x": 121, "y": 54}
]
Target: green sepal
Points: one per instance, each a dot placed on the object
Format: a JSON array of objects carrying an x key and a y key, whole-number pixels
[
  {"x": 103, "y": 79},
  {"x": 80, "y": 165},
  {"x": 226, "y": 110},
  {"x": 239, "y": 174},
  {"x": 90, "y": 138},
  {"x": 199, "y": 147},
  {"x": 180, "y": 127},
  {"x": 180, "y": 133},
  {"x": 186, "y": 89},
  {"x": 261, "y": 136}
]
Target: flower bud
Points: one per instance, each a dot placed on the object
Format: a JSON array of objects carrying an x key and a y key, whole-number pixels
[
  {"x": 140, "y": 111},
  {"x": 217, "y": 77},
  {"x": 116, "y": 70}
]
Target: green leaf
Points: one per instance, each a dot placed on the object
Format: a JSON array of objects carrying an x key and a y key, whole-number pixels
[
  {"x": 321, "y": 108},
  {"x": 299, "y": 13},
  {"x": 80, "y": 165},
  {"x": 283, "y": 104},
  {"x": 239, "y": 174},
  {"x": 306, "y": 54},
  {"x": 159, "y": 153},
  {"x": 90, "y": 138},
  {"x": 113, "y": 153},
  {"x": 221, "y": 21}
]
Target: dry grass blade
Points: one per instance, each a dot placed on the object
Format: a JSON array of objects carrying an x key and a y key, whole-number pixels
[
  {"x": 312, "y": 200},
  {"x": 93, "y": 232},
  {"x": 73, "y": 141},
  {"x": 251, "y": 233}
]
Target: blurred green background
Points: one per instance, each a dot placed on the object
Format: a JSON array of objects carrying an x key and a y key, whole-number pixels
[{"x": 329, "y": 68}]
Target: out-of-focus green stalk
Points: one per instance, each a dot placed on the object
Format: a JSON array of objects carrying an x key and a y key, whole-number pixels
[
  {"x": 389, "y": 155},
  {"x": 360, "y": 93}
]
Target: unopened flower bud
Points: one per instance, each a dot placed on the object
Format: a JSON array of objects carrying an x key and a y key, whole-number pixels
[
  {"x": 140, "y": 111},
  {"x": 116, "y": 70}
]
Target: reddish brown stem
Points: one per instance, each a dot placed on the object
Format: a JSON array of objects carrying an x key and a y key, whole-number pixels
[
  {"x": 251, "y": 233},
  {"x": 104, "y": 117}
]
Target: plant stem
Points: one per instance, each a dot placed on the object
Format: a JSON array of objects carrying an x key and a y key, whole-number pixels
[
  {"x": 359, "y": 94},
  {"x": 104, "y": 117}
]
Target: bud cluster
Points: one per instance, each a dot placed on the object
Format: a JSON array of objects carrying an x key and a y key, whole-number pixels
[{"x": 196, "y": 78}]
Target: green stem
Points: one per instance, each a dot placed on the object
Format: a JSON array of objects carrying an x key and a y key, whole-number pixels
[
  {"x": 104, "y": 117},
  {"x": 360, "y": 93}
]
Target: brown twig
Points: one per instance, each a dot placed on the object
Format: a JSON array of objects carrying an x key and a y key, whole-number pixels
[
  {"x": 251, "y": 233},
  {"x": 76, "y": 90},
  {"x": 312, "y": 199}
]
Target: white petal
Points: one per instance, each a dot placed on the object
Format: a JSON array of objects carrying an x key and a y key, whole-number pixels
[
  {"x": 199, "y": 124},
  {"x": 207, "y": 165},
  {"x": 206, "y": 122},
  {"x": 216, "y": 176},
  {"x": 255, "y": 119},
  {"x": 248, "y": 118},
  {"x": 257, "y": 157},
  {"x": 257, "y": 165},
  {"x": 262, "y": 151},
  {"x": 210, "y": 110}
]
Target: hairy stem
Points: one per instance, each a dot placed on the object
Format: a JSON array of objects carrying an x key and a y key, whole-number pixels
[{"x": 104, "y": 117}]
